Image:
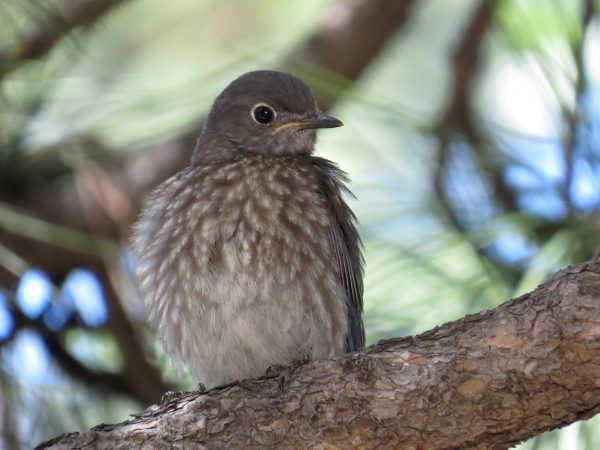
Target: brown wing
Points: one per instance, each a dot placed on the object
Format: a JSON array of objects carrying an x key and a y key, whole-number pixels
[{"x": 346, "y": 246}]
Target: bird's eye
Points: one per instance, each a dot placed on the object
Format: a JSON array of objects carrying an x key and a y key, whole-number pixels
[{"x": 263, "y": 114}]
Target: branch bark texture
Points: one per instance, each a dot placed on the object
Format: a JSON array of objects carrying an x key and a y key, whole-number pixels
[{"x": 486, "y": 381}]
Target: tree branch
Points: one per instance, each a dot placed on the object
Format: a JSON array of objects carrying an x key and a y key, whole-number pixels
[
  {"x": 41, "y": 37},
  {"x": 573, "y": 116},
  {"x": 457, "y": 114},
  {"x": 457, "y": 119},
  {"x": 486, "y": 381},
  {"x": 350, "y": 36},
  {"x": 138, "y": 379},
  {"x": 53, "y": 342},
  {"x": 145, "y": 382}
]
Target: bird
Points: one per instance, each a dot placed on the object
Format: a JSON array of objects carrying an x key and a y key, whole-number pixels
[{"x": 250, "y": 257}]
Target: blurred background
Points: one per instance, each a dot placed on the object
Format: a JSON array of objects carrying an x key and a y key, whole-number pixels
[{"x": 472, "y": 139}]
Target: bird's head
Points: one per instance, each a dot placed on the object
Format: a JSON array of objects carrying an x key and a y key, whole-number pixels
[{"x": 264, "y": 113}]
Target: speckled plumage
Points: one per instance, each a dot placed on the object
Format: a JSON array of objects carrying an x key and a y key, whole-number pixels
[{"x": 252, "y": 259}]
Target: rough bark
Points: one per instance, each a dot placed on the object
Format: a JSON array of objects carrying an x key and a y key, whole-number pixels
[{"x": 486, "y": 381}]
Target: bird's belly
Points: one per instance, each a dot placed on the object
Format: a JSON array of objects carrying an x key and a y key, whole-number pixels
[{"x": 263, "y": 301}]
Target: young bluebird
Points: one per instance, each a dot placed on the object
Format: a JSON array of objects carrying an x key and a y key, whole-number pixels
[{"x": 250, "y": 257}]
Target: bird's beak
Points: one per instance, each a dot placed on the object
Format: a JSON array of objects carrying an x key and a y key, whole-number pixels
[{"x": 318, "y": 121}]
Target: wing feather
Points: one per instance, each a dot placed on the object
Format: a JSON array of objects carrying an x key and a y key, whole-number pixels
[{"x": 346, "y": 247}]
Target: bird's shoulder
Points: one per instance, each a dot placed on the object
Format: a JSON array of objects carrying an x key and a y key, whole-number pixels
[{"x": 292, "y": 178}]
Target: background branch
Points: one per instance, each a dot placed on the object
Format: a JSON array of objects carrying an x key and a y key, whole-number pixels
[
  {"x": 571, "y": 140},
  {"x": 44, "y": 33},
  {"x": 456, "y": 118},
  {"x": 349, "y": 37}
]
